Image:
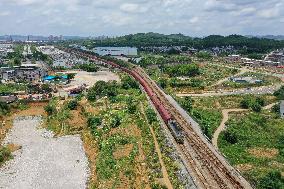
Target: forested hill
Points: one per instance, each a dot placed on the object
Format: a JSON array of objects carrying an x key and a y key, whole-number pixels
[{"x": 155, "y": 39}]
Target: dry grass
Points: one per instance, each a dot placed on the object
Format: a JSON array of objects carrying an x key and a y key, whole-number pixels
[
  {"x": 263, "y": 152},
  {"x": 244, "y": 167},
  {"x": 123, "y": 151}
]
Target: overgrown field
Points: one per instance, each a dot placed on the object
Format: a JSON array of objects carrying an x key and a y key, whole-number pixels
[
  {"x": 114, "y": 121},
  {"x": 184, "y": 78},
  {"x": 254, "y": 143},
  {"x": 207, "y": 111},
  {"x": 266, "y": 80}
]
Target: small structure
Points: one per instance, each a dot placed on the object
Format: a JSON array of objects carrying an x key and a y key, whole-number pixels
[
  {"x": 245, "y": 80},
  {"x": 116, "y": 51},
  {"x": 282, "y": 108}
]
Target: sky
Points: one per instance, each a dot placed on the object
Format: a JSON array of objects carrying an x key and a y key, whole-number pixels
[{"x": 118, "y": 17}]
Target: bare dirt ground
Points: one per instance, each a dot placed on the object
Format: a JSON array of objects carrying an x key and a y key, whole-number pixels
[
  {"x": 43, "y": 161},
  {"x": 90, "y": 78}
]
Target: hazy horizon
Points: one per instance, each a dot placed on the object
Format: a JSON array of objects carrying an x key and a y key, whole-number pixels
[{"x": 116, "y": 17}]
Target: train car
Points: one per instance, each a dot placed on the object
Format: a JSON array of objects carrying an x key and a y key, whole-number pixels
[
  {"x": 173, "y": 126},
  {"x": 176, "y": 131}
]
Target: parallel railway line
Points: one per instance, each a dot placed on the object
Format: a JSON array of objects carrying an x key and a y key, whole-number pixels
[
  {"x": 218, "y": 172},
  {"x": 205, "y": 166}
]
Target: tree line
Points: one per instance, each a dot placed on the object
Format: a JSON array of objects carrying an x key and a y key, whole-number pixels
[{"x": 246, "y": 45}]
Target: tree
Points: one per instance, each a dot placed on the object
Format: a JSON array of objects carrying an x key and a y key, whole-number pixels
[
  {"x": 273, "y": 180},
  {"x": 230, "y": 137},
  {"x": 128, "y": 83},
  {"x": 280, "y": 93},
  {"x": 72, "y": 105},
  {"x": 151, "y": 115},
  {"x": 115, "y": 121},
  {"x": 50, "y": 109},
  {"x": 4, "y": 108},
  {"x": 17, "y": 61},
  {"x": 97, "y": 90},
  {"x": 131, "y": 105},
  {"x": 71, "y": 76},
  {"x": 187, "y": 103},
  {"x": 94, "y": 122}
]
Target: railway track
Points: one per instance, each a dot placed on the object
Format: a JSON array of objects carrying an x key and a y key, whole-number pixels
[
  {"x": 205, "y": 166},
  {"x": 209, "y": 170}
]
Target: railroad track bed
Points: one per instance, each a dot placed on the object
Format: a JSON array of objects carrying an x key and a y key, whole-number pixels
[
  {"x": 212, "y": 169},
  {"x": 207, "y": 168}
]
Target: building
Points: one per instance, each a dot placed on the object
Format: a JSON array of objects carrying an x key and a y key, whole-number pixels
[
  {"x": 25, "y": 72},
  {"x": 7, "y": 74},
  {"x": 282, "y": 108},
  {"x": 116, "y": 51},
  {"x": 30, "y": 73}
]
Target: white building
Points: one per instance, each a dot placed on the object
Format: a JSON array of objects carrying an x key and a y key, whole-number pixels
[{"x": 116, "y": 51}]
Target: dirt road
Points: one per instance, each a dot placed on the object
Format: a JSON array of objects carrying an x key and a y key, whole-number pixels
[{"x": 222, "y": 126}]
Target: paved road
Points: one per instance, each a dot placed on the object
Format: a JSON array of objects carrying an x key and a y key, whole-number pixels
[{"x": 254, "y": 90}]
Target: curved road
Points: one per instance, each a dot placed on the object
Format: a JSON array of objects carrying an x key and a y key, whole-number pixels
[{"x": 222, "y": 126}]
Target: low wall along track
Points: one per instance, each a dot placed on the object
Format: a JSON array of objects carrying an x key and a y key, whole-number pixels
[{"x": 207, "y": 167}]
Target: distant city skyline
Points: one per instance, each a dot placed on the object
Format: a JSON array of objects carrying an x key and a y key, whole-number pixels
[{"x": 120, "y": 17}]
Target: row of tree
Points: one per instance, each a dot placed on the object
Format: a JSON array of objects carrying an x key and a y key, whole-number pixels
[{"x": 247, "y": 44}]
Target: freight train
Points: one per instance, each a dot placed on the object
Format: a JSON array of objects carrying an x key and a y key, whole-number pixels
[{"x": 173, "y": 126}]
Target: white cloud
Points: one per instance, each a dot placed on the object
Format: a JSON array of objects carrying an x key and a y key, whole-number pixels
[
  {"x": 133, "y": 8},
  {"x": 194, "y": 20},
  {"x": 115, "y": 17},
  {"x": 5, "y": 13}
]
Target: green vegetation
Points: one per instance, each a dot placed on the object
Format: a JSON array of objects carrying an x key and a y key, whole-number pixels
[
  {"x": 244, "y": 44},
  {"x": 207, "y": 111},
  {"x": 88, "y": 67},
  {"x": 72, "y": 104},
  {"x": 101, "y": 89},
  {"x": 7, "y": 89},
  {"x": 254, "y": 143},
  {"x": 265, "y": 81},
  {"x": 128, "y": 83},
  {"x": 192, "y": 77},
  {"x": 5, "y": 155},
  {"x": 4, "y": 108},
  {"x": 280, "y": 93},
  {"x": 204, "y": 55},
  {"x": 157, "y": 60},
  {"x": 189, "y": 70},
  {"x": 251, "y": 102}
]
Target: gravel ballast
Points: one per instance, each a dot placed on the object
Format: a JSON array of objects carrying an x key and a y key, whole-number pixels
[{"x": 43, "y": 161}]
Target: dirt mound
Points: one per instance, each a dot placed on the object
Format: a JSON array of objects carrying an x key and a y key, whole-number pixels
[{"x": 263, "y": 152}]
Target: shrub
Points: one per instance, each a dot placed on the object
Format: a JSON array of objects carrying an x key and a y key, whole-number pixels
[
  {"x": 72, "y": 105},
  {"x": 94, "y": 122},
  {"x": 128, "y": 83},
  {"x": 272, "y": 180},
  {"x": 230, "y": 137},
  {"x": 254, "y": 103},
  {"x": 5, "y": 154},
  {"x": 131, "y": 105},
  {"x": 50, "y": 109},
  {"x": 4, "y": 108},
  {"x": 280, "y": 93},
  {"x": 115, "y": 121},
  {"x": 151, "y": 115}
]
